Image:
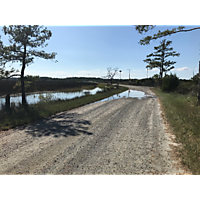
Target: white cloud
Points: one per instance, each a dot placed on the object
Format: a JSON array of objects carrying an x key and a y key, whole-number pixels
[
  {"x": 176, "y": 69},
  {"x": 181, "y": 69},
  {"x": 154, "y": 69}
]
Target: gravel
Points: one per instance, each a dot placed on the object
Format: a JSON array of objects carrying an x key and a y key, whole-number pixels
[{"x": 123, "y": 136}]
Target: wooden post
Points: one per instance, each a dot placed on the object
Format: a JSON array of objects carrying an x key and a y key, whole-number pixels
[{"x": 198, "y": 96}]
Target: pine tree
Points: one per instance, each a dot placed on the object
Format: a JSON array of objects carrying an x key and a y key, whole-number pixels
[
  {"x": 180, "y": 29},
  {"x": 145, "y": 28},
  {"x": 4, "y": 74},
  {"x": 158, "y": 59},
  {"x": 24, "y": 42}
]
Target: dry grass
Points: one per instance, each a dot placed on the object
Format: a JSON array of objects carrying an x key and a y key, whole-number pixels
[{"x": 183, "y": 115}]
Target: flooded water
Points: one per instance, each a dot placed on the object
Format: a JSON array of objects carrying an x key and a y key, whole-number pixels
[
  {"x": 127, "y": 94},
  {"x": 35, "y": 98}
]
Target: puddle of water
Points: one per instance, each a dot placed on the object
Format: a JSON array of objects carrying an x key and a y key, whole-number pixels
[
  {"x": 34, "y": 98},
  {"x": 127, "y": 94}
]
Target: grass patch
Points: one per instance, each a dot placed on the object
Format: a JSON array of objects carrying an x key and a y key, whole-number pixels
[
  {"x": 183, "y": 114},
  {"x": 101, "y": 85},
  {"x": 19, "y": 115},
  {"x": 76, "y": 89}
]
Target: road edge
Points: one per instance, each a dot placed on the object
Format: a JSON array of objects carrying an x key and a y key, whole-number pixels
[{"x": 173, "y": 144}]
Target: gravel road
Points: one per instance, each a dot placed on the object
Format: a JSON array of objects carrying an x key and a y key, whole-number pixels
[{"x": 123, "y": 136}]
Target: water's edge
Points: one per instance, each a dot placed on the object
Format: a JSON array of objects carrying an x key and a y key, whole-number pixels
[
  {"x": 37, "y": 97},
  {"x": 128, "y": 94}
]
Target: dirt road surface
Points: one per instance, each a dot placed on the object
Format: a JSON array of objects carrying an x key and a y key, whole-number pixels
[{"x": 121, "y": 136}]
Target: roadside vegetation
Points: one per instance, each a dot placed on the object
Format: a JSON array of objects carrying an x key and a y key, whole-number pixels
[
  {"x": 20, "y": 115},
  {"x": 182, "y": 111}
]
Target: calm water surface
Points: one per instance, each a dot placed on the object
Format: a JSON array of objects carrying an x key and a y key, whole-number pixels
[
  {"x": 127, "y": 94},
  {"x": 34, "y": 98}
]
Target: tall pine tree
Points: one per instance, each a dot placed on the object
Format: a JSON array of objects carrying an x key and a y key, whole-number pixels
[
  {"x": 24, "y": 42},
  {"x": 180, "y": 29},
  {"x": 158, "y": 59}
]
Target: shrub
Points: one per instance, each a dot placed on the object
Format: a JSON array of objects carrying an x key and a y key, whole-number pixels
[
  {"x": 187, "y": 88},
  {"x": 87, "y": 93},
  {"x": 170, "y": 83},
  {"x": 195, "y": 79},
  {"x": 48, "y": 97}
]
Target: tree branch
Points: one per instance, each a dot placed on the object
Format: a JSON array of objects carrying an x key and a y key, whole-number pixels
[
  {"x": 188, "y": 30},
  {"x": 1, "y": 78},
  {"x": 160, "y": 34}
]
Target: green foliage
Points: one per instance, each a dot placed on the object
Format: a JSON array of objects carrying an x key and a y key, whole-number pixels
[
  {"x": 24, "y": 43},
  {"x": 155, "y": 76},
  {"x": 21, "y": 115},
  {"x": 182, "y": 113},
  {"x": 2, "y": 61},
  {"x": 29, "y": 82},
  {"x": 13, "y": 85},
  {"x": 187, "y": 88},
  {"x": 195, "y": 78},
  {"x": 3, "y": 72},
  {"x": 184, "y": 88},
  {"x": 87, "y": 93},
  {"x": 46, "y": 98},
  {"x": 145, "y": 28},
  {"x": 170, "y": 83},
  {"x": 158, "y": 59}
]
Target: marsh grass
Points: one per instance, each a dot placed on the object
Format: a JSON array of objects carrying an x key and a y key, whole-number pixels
[
  {"x": 183, "y": 115},
  {"x": 13, "y": 86},
  {"x": 18, "y": 115}
]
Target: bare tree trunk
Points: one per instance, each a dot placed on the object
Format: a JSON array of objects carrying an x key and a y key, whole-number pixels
[
  {"x": 23, "y": 91},
  {"x": 160, "y": 79},
  {"x": 198, "y": 96},
  {"x": 24, "y": 103},
  {"x": 8, "y": 101}
]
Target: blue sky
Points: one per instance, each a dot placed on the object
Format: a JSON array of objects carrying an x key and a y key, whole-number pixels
[{"x": 87, "y": 51}]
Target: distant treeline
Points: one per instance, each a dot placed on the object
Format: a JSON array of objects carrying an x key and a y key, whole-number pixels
[
  {"x": 12, "y": 85},
  {"x": 145, "y": 82},
  {"x": 32, "y": 84}
]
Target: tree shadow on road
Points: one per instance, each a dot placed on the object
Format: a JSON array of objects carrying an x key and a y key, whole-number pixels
[{"x": 64, "y": 124}]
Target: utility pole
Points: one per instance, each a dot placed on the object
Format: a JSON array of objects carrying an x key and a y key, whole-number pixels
[
  {"x": 129, "y": 74},
  {"x": 120, "y": 74}
]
